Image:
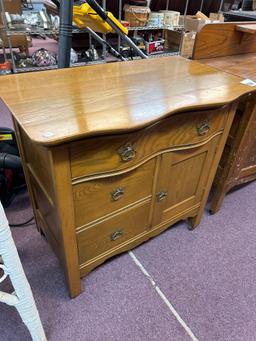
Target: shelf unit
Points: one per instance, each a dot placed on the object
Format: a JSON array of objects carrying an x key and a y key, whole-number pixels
[{"x": 39, "y": 31}]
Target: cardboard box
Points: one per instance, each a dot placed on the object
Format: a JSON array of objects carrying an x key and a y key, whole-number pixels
[
  {"x": 155, "y": 19},
  {"x": 217, "y": 16},
  {"x": 180, "y": 42},
  {"x": 191, "y": 23},
  {"x": 171, "y": 18},
  {"x": 187, "y": 45},
  {"x": 172, "y": 40},
  {"x": 12, "y": 6},
  {"x": 155, "y": 47}
]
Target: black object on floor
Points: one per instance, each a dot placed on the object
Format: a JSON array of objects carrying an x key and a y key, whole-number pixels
[{"x": 11, "y": 173}]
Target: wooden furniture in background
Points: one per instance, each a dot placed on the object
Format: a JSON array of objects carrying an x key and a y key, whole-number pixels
[
  {"x": 234, "y": 52},
  {"x": 248, "y": 28},
  {"x": 223, "y": 39},
  {"x": 115, "y": 154}
]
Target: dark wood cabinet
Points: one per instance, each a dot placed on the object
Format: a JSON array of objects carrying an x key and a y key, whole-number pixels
[{"x": 236, "y": 55}]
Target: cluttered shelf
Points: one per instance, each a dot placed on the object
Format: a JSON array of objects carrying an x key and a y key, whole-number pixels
[
  {"x": 30, "y": 39},
  {"x": 40, "y": 31},
  {"x": 78, "y": 64}
]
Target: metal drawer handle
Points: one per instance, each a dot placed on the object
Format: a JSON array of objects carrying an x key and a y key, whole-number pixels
[
  {"x": 203, "y": 128},
  {"x": 117, "y": 194},
  {"x": 161, "y": 196},
  {"x": 117, "y": 234},
  {"x": 127, "y": 152}
]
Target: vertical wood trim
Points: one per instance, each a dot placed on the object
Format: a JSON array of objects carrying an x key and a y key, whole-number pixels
[
  {"x": 154, "y": 189},
  {"x": 26, "y": 172},
  {"x": 219, "y": 150},
  {"x": 161, "y": 185},
  {"x": 64, "y": 201}
]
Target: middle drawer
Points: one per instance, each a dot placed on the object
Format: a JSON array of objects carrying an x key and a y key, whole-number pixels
[{"x": 96, "y": 198}]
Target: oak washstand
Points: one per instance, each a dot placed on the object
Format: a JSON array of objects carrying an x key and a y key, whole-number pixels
[{"x": 115, "y": 154}]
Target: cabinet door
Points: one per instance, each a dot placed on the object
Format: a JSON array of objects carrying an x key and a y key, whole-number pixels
[{"x": 182, "y": 179}]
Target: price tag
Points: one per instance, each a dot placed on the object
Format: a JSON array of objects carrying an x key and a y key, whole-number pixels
[{"x": 249, "y": 82}]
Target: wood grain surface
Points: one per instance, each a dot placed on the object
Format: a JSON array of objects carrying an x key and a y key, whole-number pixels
[
  {"x": 242, "y": 65},
  {"x": 135, "y": 185},
  {"x": 223, "y": 39},
  {"x": 249, "y": 28},
  {"x": 57, "y": 106},
  {"x": 101, "y": 154},
  {"x": 113, "y": 231}
]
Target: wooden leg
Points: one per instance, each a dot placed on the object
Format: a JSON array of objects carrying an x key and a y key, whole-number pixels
[
  {"x": 193, "y": 222},
  {"x": 74, "y": 283},
  {"x": 217, "y": 200}
]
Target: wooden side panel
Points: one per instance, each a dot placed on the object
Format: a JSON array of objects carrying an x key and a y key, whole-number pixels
[
  {"x": 249, "y": 155},
  {"x": 219, "y": 40},
  {"x": 39, "y": 171},
  {"x": 238, "y": 163},
  {"x": 48, "y": 211},
  {"x": 38, "y": 159}
]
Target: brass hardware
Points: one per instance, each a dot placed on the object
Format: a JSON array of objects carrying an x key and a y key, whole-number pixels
[
  {"x": 161, "y": 196},
  {"x": 127, "y": 152},
  {"x": 117, "y": 193},
  {"x": 114, "y": 236},
  {"x": 203, "y": 128}
]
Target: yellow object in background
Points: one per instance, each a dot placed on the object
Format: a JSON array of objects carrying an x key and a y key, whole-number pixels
[
  {"x": 85, "y": 16},
  {"x": 6, "y": 137}
]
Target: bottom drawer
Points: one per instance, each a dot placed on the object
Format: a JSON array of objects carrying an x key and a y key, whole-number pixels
[{"x": 112, "y": 232}]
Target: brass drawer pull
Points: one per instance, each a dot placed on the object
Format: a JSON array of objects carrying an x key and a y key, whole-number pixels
[
  {"x": 117, "y": 193},
  {"x": 161, "y": 196},
  {"x": 203, "y": 128},
  {"x": 114, "y": 236},
  {"x": 127, "y": 152}
]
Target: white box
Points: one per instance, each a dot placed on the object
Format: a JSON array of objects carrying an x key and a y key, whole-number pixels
[{"x": 171, "y": 18}]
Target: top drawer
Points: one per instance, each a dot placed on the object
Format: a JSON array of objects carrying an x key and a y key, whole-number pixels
[{"x": 116, "y": 152}]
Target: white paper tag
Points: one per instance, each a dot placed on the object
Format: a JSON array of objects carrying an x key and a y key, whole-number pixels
[{"x": 249, "y": 82}]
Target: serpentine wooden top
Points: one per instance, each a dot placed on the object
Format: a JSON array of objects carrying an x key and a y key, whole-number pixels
[
  {"x": 242, "y": 65},
  {"x": 57, "y": 106}
]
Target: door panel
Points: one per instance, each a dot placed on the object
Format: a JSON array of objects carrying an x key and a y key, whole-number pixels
[{"x": 183, "y": 175}]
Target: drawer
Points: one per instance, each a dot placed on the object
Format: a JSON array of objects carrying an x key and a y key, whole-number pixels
[
  {"x": 112, "y": 232},
  {"x": 108, "y": 153},
  {"x": 96, "y": 198}
]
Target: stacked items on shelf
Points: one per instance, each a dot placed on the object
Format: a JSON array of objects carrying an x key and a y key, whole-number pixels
[
  {"x": 185, "y": 39},
  {"x": 29, "y": 24},
  {"x": 148, "y": 27},
  {"x": 23, "y": 22},
  {"x": 156, "y": 33},
  {"x": 21, "y": 42}
]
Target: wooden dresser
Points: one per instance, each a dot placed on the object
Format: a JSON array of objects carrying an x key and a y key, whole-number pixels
[
  {"x": 231, "y": 47},
  {"x": 115, "y": 154}
]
